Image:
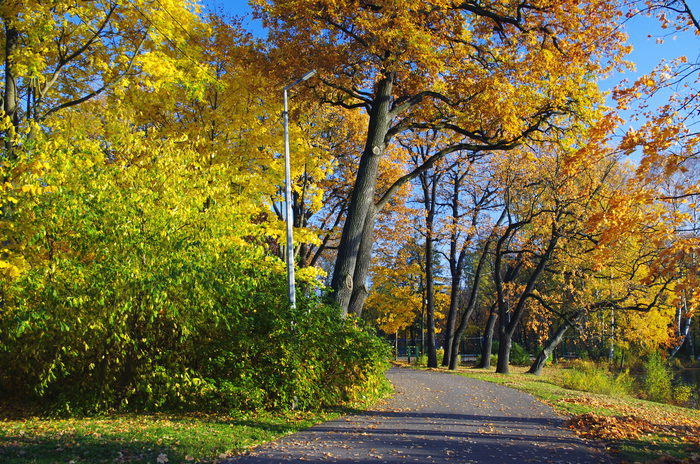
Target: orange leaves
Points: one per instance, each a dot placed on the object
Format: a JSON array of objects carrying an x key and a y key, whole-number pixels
[
  {"x": 633, "y": 427},
  {"x": 616, "y": 427}
]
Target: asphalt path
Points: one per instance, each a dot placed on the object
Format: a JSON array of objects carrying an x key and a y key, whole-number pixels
[{"x": 437, "y": 417}]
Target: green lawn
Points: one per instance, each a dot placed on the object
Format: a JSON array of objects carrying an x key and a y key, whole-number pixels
[{"x": 143, "y": 438}]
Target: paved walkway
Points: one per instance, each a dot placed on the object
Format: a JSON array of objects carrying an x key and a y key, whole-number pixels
[{"x": 437, "y": 417}]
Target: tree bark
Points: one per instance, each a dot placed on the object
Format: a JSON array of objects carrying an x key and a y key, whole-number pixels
[
  {"x": 504, "y": 343},
  {"x": 487, "y": 345},
  {"x": 362, "y": 200},
  {"x": 456, "y": 269},
  {"x": 360, "y": 291},
  {"x": 430, "y": 296},
  {"x": 10, "y": 105},
  {"x": 473, "y": 297},
  {"x": 552, "y": 343}
]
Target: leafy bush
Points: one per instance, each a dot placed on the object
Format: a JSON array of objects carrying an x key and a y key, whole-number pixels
[
  {"x": 682, "y": 394},
  {"x": 519, "y": 355},
  {"x": 587, "y": 376},
  {"x": 658, "y": 379},
  {"x": 422, "y": 360},
  {"x": 139, "y": 298}
]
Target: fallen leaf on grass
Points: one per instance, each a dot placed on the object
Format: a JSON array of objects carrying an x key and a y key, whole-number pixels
[{"x": 629, "y": 427}]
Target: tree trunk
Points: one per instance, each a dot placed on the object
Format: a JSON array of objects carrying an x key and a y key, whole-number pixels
[
  {"x": 450, "y": 335},
  {"x": 504, "y": 342},
  {"x": 362, "y": 200},
  {"x": 473, "y": 297},
  {"x": 360, "y": 292},
  {"x": 456, "y": 267},
  {"x": 508, "y": 320},
  {"x": 429, "y": 199},
  {"x": 486, "y": 347},
  {"x": 552, "y": 343},
  {"x": 430, "y": 297},
  {"x": 10, "y": 96}
]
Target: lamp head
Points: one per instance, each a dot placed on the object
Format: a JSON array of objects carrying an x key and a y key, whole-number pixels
[{"x": 308, "y": 75}]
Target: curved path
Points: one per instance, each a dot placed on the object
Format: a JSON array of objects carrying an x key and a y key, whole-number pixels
[{"x": 437, "y": 417}]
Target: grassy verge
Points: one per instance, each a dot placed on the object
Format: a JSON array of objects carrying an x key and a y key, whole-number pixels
[
  {"x": 142, "y": 438},
  {"x": 636, "y": 430}
]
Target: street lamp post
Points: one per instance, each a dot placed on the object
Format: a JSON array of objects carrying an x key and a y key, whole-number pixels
[{"x": 291, "y": 292}]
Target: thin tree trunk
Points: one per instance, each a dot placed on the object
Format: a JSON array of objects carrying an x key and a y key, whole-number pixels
[
  {"x": 430, "y": 297},
  {"x": 456, "y": 267},
  {"x": 552, "y": 343},
  {"x": 473, "y": 297},
  {"x": 507, "y": 327},
  {"x": 10, "y": 97},
  {"x": 429, "y": 198},
  {"x": 450, "y": 334}
]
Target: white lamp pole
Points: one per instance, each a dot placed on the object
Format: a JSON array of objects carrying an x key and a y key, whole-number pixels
[{"x": 291, "y": 291}]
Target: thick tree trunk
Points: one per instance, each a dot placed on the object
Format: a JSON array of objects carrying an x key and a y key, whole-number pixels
[
  {"x": 552, "y": 343},
  {"x": 360, "y": 292},
  {"x": 487, "y": 345},
  {"x": 504, "y": 342},
  {"x": 362, "y": 200}
]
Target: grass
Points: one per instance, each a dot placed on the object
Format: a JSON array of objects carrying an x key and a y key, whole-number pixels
[
  {"x": 637, "y": 430},
  {"x": 143, "y": 438}
]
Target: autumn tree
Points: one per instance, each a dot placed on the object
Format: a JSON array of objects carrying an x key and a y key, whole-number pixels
[
  {"x": 468, "y": 194},
  {"x": 57, "y": 56},
  {"x": 549, "y": 202},
  {"x": 614, "y": 283},
  {"x": 490, "y": 75},
  {"x": 664, "y": 137}
]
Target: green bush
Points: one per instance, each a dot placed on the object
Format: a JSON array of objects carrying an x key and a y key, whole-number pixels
[
  {"x": 519, "y": 355},
  {"x": 422, "y": 360},
  {"x": 145, "y": 281},
  {"x": 587, "y": 376},
  {"x": 214, "y": 333},
  {"x": 682, "y": 394},
  {"x": 658, "y": 379},
  {"x": 494, "y": 359},
  {"x": 236, "y": 346}
]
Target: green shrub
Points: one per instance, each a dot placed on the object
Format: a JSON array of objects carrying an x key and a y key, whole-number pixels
[
  {"x": 422, "y": 360},
  {"x": 682, "y": 394},
  {"x": 519, "y": 355},
  {"x": 587, "y": 376},
  {"x": 658, "y": 379},
  {"x": 214, "y": 337},
  {"x": 676, "y": 364}
]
